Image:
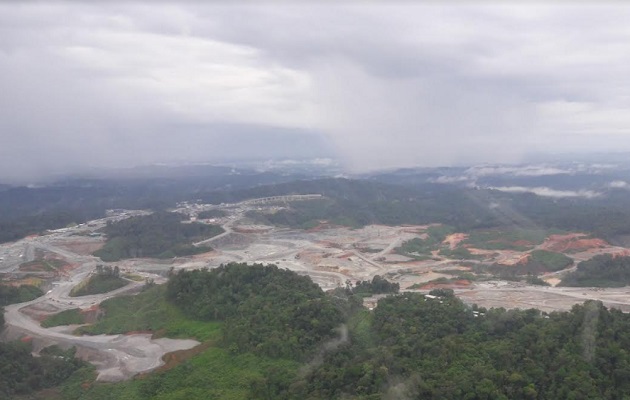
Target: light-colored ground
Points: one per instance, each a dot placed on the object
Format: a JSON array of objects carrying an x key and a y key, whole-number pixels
[
  {"x": 510, "y": 295},
  {"x": 115, "y": 356},
  {"x": 329, "y": 255}
]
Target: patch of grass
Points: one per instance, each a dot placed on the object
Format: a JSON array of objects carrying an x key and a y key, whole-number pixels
[
  {"x": 214, "y": 213},
  {"x": 214, "y": 374},
  {"x": 18, "y": 294},
  {"x": 42, "y": 265},
  {"x": 67, "y": 317},
  {"x": 460, "y": 253},
  {"x": 149, "y": 311},
  {"x": 552, "y": 261},
  {"x": 97, "y": 284},
  {"x": 417, "y": 248},
  {"x": 360, "y": 327},
  {"x": 507, "y": 239},
  {"x": 134, "y": 277},
  {"x": 420, "y": 249}
]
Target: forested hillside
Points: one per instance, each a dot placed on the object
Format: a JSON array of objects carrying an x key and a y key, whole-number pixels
[
  {"x": 349, "y": 202},
  {"x": 601, "y": 271},
  {"x": 266, "y": 310},
  {"x": 161, "y": 235},
  {"x": 21, "y": 373},
  {"x": 280, "y": 337}
]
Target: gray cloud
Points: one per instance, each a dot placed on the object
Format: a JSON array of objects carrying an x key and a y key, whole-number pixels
[{"x": 378, "y": 86}]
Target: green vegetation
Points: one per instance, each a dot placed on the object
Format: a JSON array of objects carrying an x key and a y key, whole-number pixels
[
  {"x": 417, "y": 248},
  {"x": 534, "y": 280},
  {"x": 19, "y": 294},
  {"x": 600, "y": 271},
  {"x": 459, "y": 253},
  {"x": 149, "y": 311},
  {"x": 463, "y": 276},
  {"x": 378, "y": 285},
  {"x": 266, "y": 310},
  {"x": 21, "y": 373},
  {"x": 214, "y": 213},
  {"x": 46, "y": 264},
  {"x": 161, "y": 235},
  {"x": 216, "y": 373},
  {"x": 66, "y": 317},
  {"x": 539, "y": 262},
  {"x": 506, "y": 239},
  {"x": 265, "y": 319},
  {"x": 266, "y": 342},
  {"x": 104, "y": 280},
  {"x": 415, "y": 347},
  {"x": 420, "y": 249},
  {"x": 550, "y": 260}
]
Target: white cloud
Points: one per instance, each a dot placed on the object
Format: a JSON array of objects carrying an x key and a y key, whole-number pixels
[
  {"x": 527, "y": 170},
  {"x": 549, "y": 192},
  {"x": 449, "y": 179},
  {"x": 619, "y": 185}
]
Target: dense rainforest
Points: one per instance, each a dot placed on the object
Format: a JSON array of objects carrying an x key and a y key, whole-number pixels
[
  {"x": 21, "y": 373},
  {"x": 604, "y": 270},
  {"x": 271, "y": 334},
  {"x": 18, "y": 294}
]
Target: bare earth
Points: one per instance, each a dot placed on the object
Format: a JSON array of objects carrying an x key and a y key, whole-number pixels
[{"x": 330, "y": 255}]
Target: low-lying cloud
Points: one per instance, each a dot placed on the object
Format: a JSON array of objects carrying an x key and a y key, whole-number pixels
[{"x": 549, "y": 192}]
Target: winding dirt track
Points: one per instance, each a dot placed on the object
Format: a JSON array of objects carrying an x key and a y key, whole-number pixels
[
  {"x": 116, "y": 357},
  {"x": 120, "y": 356}
]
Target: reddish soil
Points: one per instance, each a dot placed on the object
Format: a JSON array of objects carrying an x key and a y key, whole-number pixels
[
  {"x": 330, "y": 245},
  {"x": 203, "y": 255},
  {"x": 67, "y": 268},
  {"x": 84, "y": 248},
  {"x": 455, "y": 239},
  {"x": 346, "y": 255},
  {"x": 312, "y": 257},
  {"x": 139, "y": 333},
  {"x": 574, "y": 242},
  {"x": 251, "y": 230},
  {"x": 323, "y": 225},
  {"x": 524, "y": 260},
  {"x": 481, "y": 252},
  {"x": 623, "y": 253},
  {"x": 92, "y": 314}
]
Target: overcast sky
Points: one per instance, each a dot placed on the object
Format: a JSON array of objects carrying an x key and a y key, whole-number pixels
[{"x": 375, "y": 86}]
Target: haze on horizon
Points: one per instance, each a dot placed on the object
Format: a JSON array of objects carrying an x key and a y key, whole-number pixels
[{"x": 373, "y": 85}]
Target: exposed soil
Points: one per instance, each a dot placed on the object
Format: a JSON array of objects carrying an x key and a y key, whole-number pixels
[
  {"x": 172, "y": 360},
  {"x": 455, "y": 239},
  {"x": 572, "y": 243},
  {"x": 84, "y": 246}
]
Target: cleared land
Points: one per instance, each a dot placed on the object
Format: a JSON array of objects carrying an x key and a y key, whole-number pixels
[{"x": 331, "y": 255}]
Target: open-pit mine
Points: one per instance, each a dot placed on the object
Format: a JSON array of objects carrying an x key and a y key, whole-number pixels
[{"x": 331, "y": 255}]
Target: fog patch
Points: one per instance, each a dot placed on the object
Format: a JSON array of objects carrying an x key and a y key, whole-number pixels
[
  {"x": 331, "y": 345},
  {"x": 549, "y": 192},
  {"x": 619, "y": 185}
]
